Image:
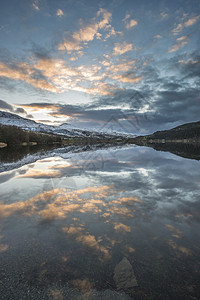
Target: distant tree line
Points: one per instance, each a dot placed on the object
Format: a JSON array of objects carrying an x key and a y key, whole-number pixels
[{"x": 13, "y": 135}]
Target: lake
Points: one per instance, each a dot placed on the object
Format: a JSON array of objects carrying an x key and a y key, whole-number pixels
[{"x": 66, "y": 223}]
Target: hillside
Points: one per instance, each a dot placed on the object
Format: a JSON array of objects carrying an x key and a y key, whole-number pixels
[
  {"x": 64, "y": 129},
  {"x": 186, "y": 133},
  {"x": 13, "y": 135},
  {"x": 15, "y": 130}
]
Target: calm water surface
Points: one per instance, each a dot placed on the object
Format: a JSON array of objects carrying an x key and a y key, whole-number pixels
[{"x": 69, "y": 222}]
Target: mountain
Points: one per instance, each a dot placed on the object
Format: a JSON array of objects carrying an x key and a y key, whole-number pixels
[
  {"x": 11, "y": 119},
  {"x": 7, "y": 118},
  {"x": 64, "y": 129},
  {"x": 16, "y": 130}
]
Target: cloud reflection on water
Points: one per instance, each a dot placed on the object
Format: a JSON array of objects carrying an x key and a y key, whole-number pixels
[{"x": 141, "y": 204}]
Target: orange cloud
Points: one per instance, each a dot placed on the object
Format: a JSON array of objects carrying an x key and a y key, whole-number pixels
[
  {"x": 25, "y": 73},
  {"x": 3, "y": 248},
  {"x": 119, "y": 227},
  {"x": 35, "y": 5},
  {"x": 128, "y": 78},
  {"x": 129, "y": 22},
  {"x": 55, "y": 76},
  {"x": 87, "y": 33},
  {"x": 39, "y": 174},
  {"x": 59, "y": 13},
  {"x": 181, "y": 42},
  {"x": 188, "y": 23},
  {"x": 121, "y": 48},
  {"x": 158, "y": 36}
]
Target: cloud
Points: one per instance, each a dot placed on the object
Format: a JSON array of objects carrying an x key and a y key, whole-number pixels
[
  {"x": 35, "y": 107},
  {"x": 157, "y": 36},
  {"x": 55, "y": 75},
  {"x": 129, "y": 22},
  {"x": 158, "y": 103},
  {"x": 5, "y": 105},
  {"x": 164, "y": 15},
  {"x": 178, "y": 29},
  {"x": 191, "y": 67},
  {"x": 24, "y": 72},
  {"x": 188, "y": 23},
  {"x": 40, "y": 174},
  {"x": 89, "y": 32},
  {"x": 125, "y": 65},
  {"x": 96, "y": 115},
  {"x": 121, "y": 48},
  {"x": 128, "y": 78},
  {"x": 35, "y": 5},
  {"x": 112, "y": 32},
  {"x": 69, "y": 45},
  {"x": 191, "y": 21},
  {"x": 86, "y": 34},
  {"x": 106, "y": 18},
  {"x": 59, "y": 12},
  {"x": 181, "y": 42},
  {"x": 12, "y": 108}
]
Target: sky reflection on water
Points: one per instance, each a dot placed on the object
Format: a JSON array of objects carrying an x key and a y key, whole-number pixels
[{"x": 76, "y": 219}]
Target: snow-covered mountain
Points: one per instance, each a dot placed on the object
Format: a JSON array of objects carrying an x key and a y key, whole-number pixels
[
  {"x": 7, "y": 118},
  {"x": 65, "y": 129}
]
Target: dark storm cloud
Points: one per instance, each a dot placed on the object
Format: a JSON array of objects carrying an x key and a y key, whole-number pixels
[
  {"x": 112, "y": 118},
  {"x": 40, "y": 52},
  {"x": 178, "y": 105},
  {"x": 135, "y": 99},
  {"x": 40, "y": 105},
  {"x": 6, "y": 177},
  {"x": 172, "y": 86},
  {"x": 5, "y": 106},
  {"x": 20, "y": 110},
  {"x": 192, "y": 67}
]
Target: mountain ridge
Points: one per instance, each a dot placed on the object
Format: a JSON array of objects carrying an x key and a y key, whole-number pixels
[{"x": 7, "y": 118}]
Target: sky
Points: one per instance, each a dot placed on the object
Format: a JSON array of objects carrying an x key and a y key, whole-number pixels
[{"x": 122, "y": 65}]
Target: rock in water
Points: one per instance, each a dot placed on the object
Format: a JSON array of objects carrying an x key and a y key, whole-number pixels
[{"x": 124, "y": 276}]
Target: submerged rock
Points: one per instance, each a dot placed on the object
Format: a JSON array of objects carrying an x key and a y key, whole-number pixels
[{"x": 124, "y": 276}]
